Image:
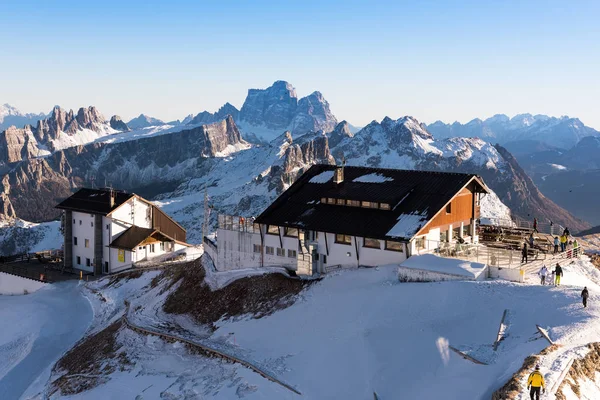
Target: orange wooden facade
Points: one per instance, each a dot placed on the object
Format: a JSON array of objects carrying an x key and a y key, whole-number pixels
[{"x": 463, "y": 208}]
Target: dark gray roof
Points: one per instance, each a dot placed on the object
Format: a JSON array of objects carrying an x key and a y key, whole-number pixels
[
  {"x": 94, "y": 201},
  {"x": 414, "y": 198}
]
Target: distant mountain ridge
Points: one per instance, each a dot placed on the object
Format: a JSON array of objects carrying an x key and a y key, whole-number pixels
[
  {"x": 11, "y": 116},
  {"x": 563, "y": 132}
]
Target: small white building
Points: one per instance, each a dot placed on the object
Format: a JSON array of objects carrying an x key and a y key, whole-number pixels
[
  {"x": 338, "y": 217},
  {"x": 107, "y": 231}
]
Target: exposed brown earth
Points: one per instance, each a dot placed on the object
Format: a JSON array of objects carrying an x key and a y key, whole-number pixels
[
  {"x": 514, "y": 387},
  {"x": 582, "y": 368},
  {"x": 89, "y": 363},
  {"x": 256, "y": 295}
]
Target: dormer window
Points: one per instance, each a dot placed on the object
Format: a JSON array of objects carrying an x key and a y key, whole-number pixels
[
  {"x": 273, "y": 230},
  {"x": 449, "y": 208}
]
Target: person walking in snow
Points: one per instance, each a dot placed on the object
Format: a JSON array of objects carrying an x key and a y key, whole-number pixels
[
  {"x": 543, "y": 272},
  {"x": 584, "y": 296},
  {"x": 535, "y": 225},
  {"x": 563, "y": 243},
  {"x": 556, "y": 244},
  {"x": 558, "y": 273},
  {"x": 524, "y": 254},
  {"x": 536, "y": 383}
]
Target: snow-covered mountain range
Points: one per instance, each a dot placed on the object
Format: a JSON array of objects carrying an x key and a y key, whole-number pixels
[
  {"x": 175, "y": 163},
  {"x": 563, "y": 132}
]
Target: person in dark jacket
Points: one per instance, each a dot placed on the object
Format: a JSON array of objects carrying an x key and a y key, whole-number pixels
[
  {"x": 535, "y": 229},
  {"x": 558, "y": 273},
  {"x": 524, "y": 253},
  {"x": 584, "y": 296},
  {"x": 566, "y": 232}
]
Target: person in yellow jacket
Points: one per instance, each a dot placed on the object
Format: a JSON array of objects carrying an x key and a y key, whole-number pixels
[
  {"x": 563, "y": 243},
  {"x": 535, "y": 383}
]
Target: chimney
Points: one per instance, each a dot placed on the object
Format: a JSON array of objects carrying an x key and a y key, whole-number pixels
[
  {"x": 338, "y": 175},
  {"x": 111, "y": 198}
]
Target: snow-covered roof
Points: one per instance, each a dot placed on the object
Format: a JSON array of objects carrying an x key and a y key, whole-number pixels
[{"x": 377, "y": 203}]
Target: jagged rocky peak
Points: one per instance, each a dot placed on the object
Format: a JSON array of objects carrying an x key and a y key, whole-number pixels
[
  {"x": 405, "y": 128},
  {"x": 117, "y": 123},
  {"x": 219, "y": 135},
  {"x": 89, "y": 117},
  {"x": 341, "y": 131},
  {"x": 273, "y": 107},
  {"x": 206, "y": 117}
]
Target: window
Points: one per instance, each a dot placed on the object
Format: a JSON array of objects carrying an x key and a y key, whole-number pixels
[
  {"x": 88, "y": 262},
  {"x": 366, "y": 204},
  {"x": 280, "y": 252},
  {"x": 92, "y": 223},
  {"x": 269, "y": 250},
  {"x": 273, "y": 230},
  {"x": 257, "y": 248},
  {"x": 394, "y": 246},
  {"x": 87, "y": 243},
  {"x": 372, "y": 243},
  {"x": 444, "y": 236},
  {"x": 140, "y": 248},
  {"x": 293, "y": 232},
  {"x": 374, "y": 205},
  {"x": 79, "y": 222},
  {"x": 343, "y": 239},
  {"x": 384, "y": 206},
  {"x": 74, "y": 240},
  {"x": 330, "y": 201},
  {"x": 449, "y": 208},
  {"x": 73, "y": 221},
  {"x": 78, "y": 260},
  {"x": 323, "y": 200},
  {"x": 107, "y": 226},
  {"x": 152, "y": 248},
  {"x": 106, "y": 267},
  {"x": 162, "y": 246},
  {"x": 353, "y": 203},
  {"x": 420, "y": 243},
  {"x": 292, "y": 253},
  {"x": 340, "y": 202},
  {"x": 324, "y": 259}
]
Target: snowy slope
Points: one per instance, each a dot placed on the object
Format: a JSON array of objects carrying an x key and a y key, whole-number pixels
[
  {"x": 355, "y": 333},
  {"x": 20, "y": 236},
  {"x": 36, "y": 330}
]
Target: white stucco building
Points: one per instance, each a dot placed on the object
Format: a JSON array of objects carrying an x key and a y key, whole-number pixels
[
  {"x": 107, "y": 231},
  {"x": 352, "y": 216}
]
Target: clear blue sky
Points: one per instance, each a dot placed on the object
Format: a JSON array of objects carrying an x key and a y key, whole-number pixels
[{"x": 445, "y": 60}]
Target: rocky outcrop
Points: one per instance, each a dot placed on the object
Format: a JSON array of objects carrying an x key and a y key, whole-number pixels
[
  {"x": 266, "y": 113},
  {"x": 149, "y": 165},
  {"x": 16, "y": 145},
  {"x": 117, "y": 124},
  {"x": 59, "y": 130},
  {"x": 206, "y": 117},
  {"x": 341, "y": 131}
]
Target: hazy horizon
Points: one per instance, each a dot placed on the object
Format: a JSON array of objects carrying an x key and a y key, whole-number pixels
[{"x": 449, "y": 61}]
